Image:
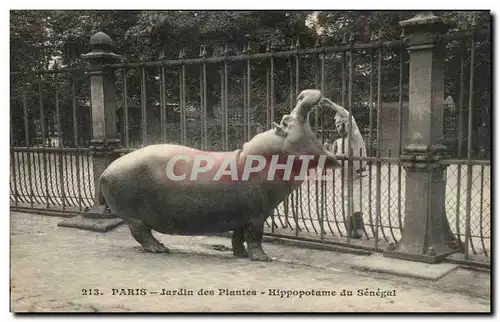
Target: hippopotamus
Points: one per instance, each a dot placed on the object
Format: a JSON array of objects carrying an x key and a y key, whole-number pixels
[{"x": 178, "y": 190}]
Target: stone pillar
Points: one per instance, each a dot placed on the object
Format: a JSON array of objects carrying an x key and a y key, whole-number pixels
[
  {"x": 105, "y": 139},
  {"x": 103, "y": 97},
  {"x": 426, "y": 235}
]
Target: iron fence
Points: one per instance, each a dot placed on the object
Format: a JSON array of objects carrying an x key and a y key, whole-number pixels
[{"x": 176, "y": 104}]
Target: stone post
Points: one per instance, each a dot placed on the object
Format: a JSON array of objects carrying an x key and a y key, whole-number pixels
[
  {"x": 426, "y": 235},
  {"x": 105, "y": 139}
]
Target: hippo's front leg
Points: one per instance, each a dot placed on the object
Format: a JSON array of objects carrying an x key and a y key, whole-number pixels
[
  {"x": 237, "y": 241},
  {"x": 253, "y": 235}
]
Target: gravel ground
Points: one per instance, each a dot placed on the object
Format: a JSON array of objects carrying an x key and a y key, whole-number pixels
[{"x": 51, "y": 267}]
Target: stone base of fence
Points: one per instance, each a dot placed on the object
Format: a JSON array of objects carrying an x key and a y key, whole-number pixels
[
  {"x": 97, "y": 219},
  {"x": 101, "y": 225},
  {"x": 420, "y": 269}
]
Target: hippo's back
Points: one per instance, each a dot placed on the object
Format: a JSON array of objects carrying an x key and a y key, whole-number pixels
[
  {"x": 132, "y": 176},
  {"x": 136, "y": 186}
]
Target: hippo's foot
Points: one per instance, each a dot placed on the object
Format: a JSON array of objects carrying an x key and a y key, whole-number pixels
[
  {"x": 253, "y": 232},
  {"x": 237, "y": 241},
  {"x": 240, "y": 253},
  {"x": 243, "y": 253},
  {"x": 142, "y": 234},
  {"x": 256, "y": 253},
  {"x": 158, "y": 248}
]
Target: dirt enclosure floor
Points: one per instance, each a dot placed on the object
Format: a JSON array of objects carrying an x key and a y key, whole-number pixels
[{"x": 56, "y": 269}]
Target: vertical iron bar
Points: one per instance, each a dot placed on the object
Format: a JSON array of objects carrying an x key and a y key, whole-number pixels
[
  {"x": 44, "y": 141},
  {"x": 245, "y": 138},
  {"x": 182, "y": 99},
  {"x": 23, "y": 186},
  {"x": 75, "y": 137},
  {"x": 78, "y": 178},
  {"x": 370, "y": 110},
  {"x": 268, "y": 99},
  {"x": 125, "y": 108},
  {"x": 222, "y": 109},
  {"x": 27, "y": 139},
  {"x": 73, "y": 105},
  {"x": 249, "y": 95},
  {"x": 40, "y": 188},
  {"x": 25, "y": 114},
  {"x": 481, "y": 195},
  {"x": 22, "y": 164},
  {"x": 361, "y": 192},
  {"x": 60, "y": 145},
  {"x": 61, "y": 177},
  {"x": 318, "y": 186},
  {"x": 389, "y": 170},
  {"x": 342, "y": 182},
  {"x": 204, "y": 99},
  {"x": 294, "y": 194},
  {"x": 370, "y": 145},
  {"x": 297, "y": 71},
  {"x": 297, "y": 90},
  {"x": 70, "y": 169},
  {"x": 290, "y": 201},
  {"x": 202, "y": 109},
  {"x": 42, "y": 112},
  {"x": 292, "y": 101},
  {"x": 378, "y": 219},
  {"x": 460, "y": 134},
  {"x": 89, "y": 196},
  {"x": 461, "y": 110},
  {"x": 272, "y": 86},
  {"x": 334, "y": 207},
  {"x": 457, "y": 202},
  {"x": 268, "y": 124},
  {"x": 342, "y": 94},
  {"x": 469, "y": 145},
  {"x": 226, "y": 117},
  {"x": 350, "y": 174},
  {"x": 163, "y": 105},
  {"x": 317, "y": 84},
  {"x": 53, "y": 191},
  {"x": 400, "y": 134},
  {"x": 370, "y": 139},
  {"x": 323, "y": 182},
  {"x": 461, "y": 102},
  {"x": 144, "y": 116},
  {"x": 15, "y": 175},
  {"x": 13, "y": 158}
]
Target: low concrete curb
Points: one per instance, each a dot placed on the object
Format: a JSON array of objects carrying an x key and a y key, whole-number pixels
[{"x": 379, "y": 263}]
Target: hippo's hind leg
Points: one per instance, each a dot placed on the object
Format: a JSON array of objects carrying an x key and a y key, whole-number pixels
[
  {"x": 253, "y": 234},
  {"x": 237, "y": 241},
  {"x": 143, "y": 235}
]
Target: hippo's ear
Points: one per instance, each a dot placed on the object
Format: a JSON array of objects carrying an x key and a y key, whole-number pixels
[{"x": 279, "y": 130}]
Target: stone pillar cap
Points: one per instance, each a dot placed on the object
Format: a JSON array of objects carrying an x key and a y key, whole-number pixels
[
  {"x": 426, "y": 17},
  {"x": 425, "y": 20},
  {"x": 101, "y": 47}
]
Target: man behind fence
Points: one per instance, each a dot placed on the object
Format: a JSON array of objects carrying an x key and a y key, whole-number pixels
[{"x": 340, "y": 148}]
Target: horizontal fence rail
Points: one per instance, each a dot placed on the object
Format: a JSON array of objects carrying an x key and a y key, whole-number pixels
[{"x": 219, "y": 103}]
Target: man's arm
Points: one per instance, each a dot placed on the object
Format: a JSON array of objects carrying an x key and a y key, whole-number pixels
[
  {"x": 344, "y": 114},
  {"x": 337, "y": 108}
]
